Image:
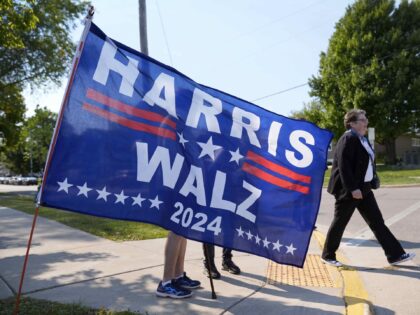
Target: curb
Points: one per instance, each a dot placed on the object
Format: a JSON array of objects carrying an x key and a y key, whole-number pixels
[
  {"x": 400, "y": 186},
  {"x": 388, "y": 186},
  {"x": 355, "y": 296}
]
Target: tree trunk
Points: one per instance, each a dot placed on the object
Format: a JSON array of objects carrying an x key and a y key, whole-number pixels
[{"x": 390, "y": 153}]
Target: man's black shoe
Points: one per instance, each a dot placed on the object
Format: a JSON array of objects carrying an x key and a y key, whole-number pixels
[
  {"x": 402, "y": 258},
  {"x": 215, "y": 274},
  {"x": 230, "y": 266}
]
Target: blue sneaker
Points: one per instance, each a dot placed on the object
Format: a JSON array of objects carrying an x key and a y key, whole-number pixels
[
  {"x": 172, "y": 291},
  {"x": 402, "y": 258},
  {"x": 187, "y": 283}
]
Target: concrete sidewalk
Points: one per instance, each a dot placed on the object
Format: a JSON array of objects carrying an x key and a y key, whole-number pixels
[{"x": 68, "y": 265}]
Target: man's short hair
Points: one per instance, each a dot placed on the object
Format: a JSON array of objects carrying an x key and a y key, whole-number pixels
[{"x": 351, "y": 116}]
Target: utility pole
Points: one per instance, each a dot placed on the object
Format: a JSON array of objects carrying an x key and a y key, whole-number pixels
[
  {"x": 30, "y": 153},
  {"x": 143, "y": 27}
]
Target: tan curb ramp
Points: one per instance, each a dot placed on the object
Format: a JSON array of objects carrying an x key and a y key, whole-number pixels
[
  {"x": 313, "y": 274},
  {"x": 316, "y": 274},
  {"x": 354, "y": 294}
]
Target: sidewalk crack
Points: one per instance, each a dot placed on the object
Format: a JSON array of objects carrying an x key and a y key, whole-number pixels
[
  {"x": 90, "y": 279},
  {"x": 8, "y": 285},
  {"x": 263, "y": 284}
]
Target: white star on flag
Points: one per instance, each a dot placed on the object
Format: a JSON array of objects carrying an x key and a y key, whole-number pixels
[
  {"x": 208, "y": 148},
  {"x": 291, "y": 249},
  {"x": 155, "y": 202},
  {"x": 236, "y": 156},
  {"x": 182, "y": 139},
  {"x": 277, "y": 245},
  {"x": 83, "y": 190},
  {"x": 137, "y": 200},
  {"x": 121, "y": 197},
  {"x": 240, "y": 232},
  {"x": 64, "y": 185},
  {"x": 257, "y": 239},
  {"x": 249, "y": 235},
  {"x": 103, "y": 194},
  {"x": 266, "y": 242}
]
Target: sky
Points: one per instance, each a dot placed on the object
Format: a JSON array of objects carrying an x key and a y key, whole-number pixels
[{"x": 251, "y": 49}]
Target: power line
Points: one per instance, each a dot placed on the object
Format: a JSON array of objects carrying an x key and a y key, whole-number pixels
[
  {"x": 281, "y": 41},
  {"x": 164, "y": 33},
  {"x": 364, "y": 64},
  {"x": 274, "y": 21},
  {"x": 279, "y": 92}
]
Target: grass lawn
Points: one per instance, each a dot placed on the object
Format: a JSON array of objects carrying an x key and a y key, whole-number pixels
[
  {"x": 116, "y": 230},
  {"x": 390, "y": 175},
  {"x": 30, "y": 306}
]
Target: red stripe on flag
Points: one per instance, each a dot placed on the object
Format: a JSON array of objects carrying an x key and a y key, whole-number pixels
[
  {"x": 277, "y": 168},
  {"x": 122, "y": 107},
  {"x": 162, "y": 132},
  {"x": 274, "y": 180}
]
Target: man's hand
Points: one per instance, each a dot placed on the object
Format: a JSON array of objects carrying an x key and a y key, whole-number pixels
[{"x": 357, "y": 194}]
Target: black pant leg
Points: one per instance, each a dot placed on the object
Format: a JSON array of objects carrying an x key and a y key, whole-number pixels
[
  {"x": 344, "y": 209},
  {"x": 227, "y": 254},
  {"x": 210, "y": 252},
  {"x": 371, "y": 213}
]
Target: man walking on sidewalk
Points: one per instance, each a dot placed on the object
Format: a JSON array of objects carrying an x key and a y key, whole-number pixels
[{"x": 353, "y": 176}]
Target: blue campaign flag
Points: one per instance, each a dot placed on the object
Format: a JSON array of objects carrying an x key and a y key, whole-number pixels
[{"x": 137, "y": 140}]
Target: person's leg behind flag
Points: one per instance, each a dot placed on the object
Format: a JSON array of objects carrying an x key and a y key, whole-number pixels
[
  {"x": 228, "y": 264},
  {"x": 208, "y": 249},
  {"x": 175, "y": 282}
]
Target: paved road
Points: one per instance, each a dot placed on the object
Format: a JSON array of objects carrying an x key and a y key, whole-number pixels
[
  {"x": 389, "y": 288},
  {"x": 19, "y": 189},
  {"x": 400, "y": 207}
]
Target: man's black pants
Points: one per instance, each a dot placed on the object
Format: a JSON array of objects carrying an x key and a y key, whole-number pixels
[
  {"x": 368, "y": 208},
  {"x": 227, "y": 252}
]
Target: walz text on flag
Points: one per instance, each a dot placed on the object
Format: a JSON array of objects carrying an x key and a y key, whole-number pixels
[{"x": 138, "y": 140}]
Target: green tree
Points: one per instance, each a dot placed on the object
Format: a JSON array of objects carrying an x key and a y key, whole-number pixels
[
  {"x": 373, "y": 63},
  {"x": 35, "y": 50},
  {"x": 30, "y": 152},
  {"x": 313, "y": 112},
  {"x": 12, "y": 109}
]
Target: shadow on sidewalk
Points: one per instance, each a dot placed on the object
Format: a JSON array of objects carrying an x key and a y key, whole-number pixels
[
  {"x": 44, "y": 270},
  {"x": 374, "y": 243},
  {"x": 138, "y": 295},
  {"x": 397, "y": 271},
  {"x": 68, "y": 277}
]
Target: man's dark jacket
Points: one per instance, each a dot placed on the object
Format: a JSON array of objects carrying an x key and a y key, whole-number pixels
[{"x": 350, "y": 164}]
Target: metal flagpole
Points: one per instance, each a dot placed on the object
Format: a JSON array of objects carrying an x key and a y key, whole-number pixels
[
  {"x": 16, "y": 311},
  {"x": 76, "y": 58}
]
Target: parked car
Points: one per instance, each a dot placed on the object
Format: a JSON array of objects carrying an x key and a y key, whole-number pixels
[
  {"x": 19, "y": 180},
  {"x": 15, "y": 180},
  {"x": 29, "y": 180}
]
